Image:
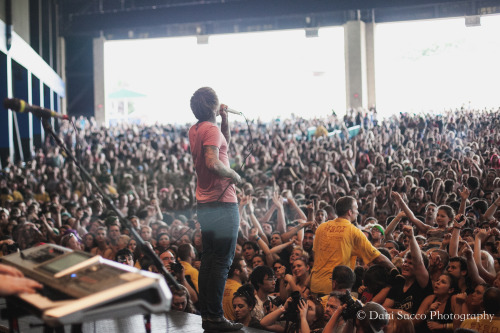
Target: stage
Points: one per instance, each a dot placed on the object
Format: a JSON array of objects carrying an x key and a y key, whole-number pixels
[{"x": 171, "y": 322}]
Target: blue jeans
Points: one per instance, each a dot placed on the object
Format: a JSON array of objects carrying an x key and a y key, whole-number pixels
[{"x": 219, "y": 231}]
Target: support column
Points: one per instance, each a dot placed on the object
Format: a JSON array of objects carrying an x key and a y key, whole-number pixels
[
  {"x": 359, "y": 64},
  {"x": 370, "y": 63},
  {"x": 99, "y": 93},
  {"x": 6, "y": 131}
]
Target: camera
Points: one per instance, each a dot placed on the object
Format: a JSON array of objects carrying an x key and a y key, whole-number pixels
[
  {"x": 353, "y": 306},
  {"x": 176, "y": 267},
  {"x": 276, "y": 301},
  {"x": 292, "y": 312}
]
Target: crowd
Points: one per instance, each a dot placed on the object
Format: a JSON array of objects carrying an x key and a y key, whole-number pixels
[{"x": 427, "y": 189}]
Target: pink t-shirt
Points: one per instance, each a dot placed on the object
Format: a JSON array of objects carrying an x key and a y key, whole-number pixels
[{"x": 210, "y": 186}]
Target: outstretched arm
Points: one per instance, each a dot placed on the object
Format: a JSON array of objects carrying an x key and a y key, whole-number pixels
[
  {"x": 480, "y": 237},
  {"x": 280, "y": 225},
  {"x": 458, "y": 223},
  {"x": 392, "y": 226},
  {"x": 488, "y": 215},
  {"x": 293, "y": 204},
  {"x": 422, "y": 227},
  {"x": 421, "y": 273},
  {"x": 255, "y": 222},
  {"x": 288, "y": 235},
  {"x": 464, "y": 195},
  {"x": 473, "y": 273}
]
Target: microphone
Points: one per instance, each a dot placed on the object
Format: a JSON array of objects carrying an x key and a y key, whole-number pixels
[
  {"x": 18, "y": 105},
  {"x": 234, "y": 111}
]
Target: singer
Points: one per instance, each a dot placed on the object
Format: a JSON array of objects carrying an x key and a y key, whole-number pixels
[{"x": 217, "y": 205}]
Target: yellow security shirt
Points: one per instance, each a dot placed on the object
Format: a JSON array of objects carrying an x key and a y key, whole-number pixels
[
  {"x": 192, "y": 272},
  {"x": 337, "y": 242},
  {"x": 486, "y": 325},
  {"x": 227, "y": 300}
]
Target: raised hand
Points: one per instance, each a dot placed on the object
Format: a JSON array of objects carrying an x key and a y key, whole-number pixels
[
  {"x": 277, "y": 200},
  {"x": 396, "y": 197},
  {"x": 253, "y": 233},
  {"x": 464, "y": 194},
  {"x": 250, "y": 204},
  {"x": 303, "y": 309},
  {"x": 459, "y": 221},
  {"x": 467, "y": 251},
  {"x": 408, "y": 231},
  {"x": 482, "y": 234}
]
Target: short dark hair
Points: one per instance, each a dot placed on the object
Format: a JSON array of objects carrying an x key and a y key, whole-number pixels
[
  {"x": 258, "y": 274},
  {"x": 481, "y": 206},
  {"x": 396, "y": 245},
  {"x": 462, "y": 261},
  {"x": 329, "y": 210},
  {"x": 375, "y": 278},
  {"x": 472, "y": 183},
  {"x": 184, "y": 251},
  {"x": 343, "y": 205},
  {"x": 124, "y": 252},
  {"x": 491, "y": 301},
  {"x": 385, "y": 252},
  {"x": 203, "y": 102},
  {"x": 425, "y": 260},
  {"x": 252, "y": 244},
  {"x": 309, "y": 231},
  {"x": 343, "y": 276},
  {"x": 236, "y": 265}
]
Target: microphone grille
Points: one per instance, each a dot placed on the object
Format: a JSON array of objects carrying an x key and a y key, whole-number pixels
[{"x": 12, "y": 103}]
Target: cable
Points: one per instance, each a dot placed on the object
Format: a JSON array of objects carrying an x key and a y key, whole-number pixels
[{"x": 249, "y": 149}]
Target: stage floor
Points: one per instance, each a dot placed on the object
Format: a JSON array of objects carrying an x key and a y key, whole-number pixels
[{"x": 172, "y": 322}]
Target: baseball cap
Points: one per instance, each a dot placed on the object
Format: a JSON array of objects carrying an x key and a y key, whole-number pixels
[{"x": 380, "y": 228}]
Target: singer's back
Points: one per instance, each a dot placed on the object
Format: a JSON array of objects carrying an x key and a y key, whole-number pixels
[{"x": 209, "y": 185}]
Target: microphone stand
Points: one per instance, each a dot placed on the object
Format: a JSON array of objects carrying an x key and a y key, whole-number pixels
[{"x": 123, "y": 219}]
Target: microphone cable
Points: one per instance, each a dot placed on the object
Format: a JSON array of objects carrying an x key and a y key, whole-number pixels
[{"x": 249, "y": 151}]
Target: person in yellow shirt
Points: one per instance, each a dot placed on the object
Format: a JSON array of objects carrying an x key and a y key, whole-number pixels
[
  {"x": 339, "y": 242},
  {"x": 490, "y": 320},
  {"x": 238, "y": 274},
  {"x": 41, "y": 195},
  {"x": 186, "y": 255}
]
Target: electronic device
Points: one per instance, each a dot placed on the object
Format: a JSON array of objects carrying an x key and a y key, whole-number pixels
[{"x": 79, "y": 287}]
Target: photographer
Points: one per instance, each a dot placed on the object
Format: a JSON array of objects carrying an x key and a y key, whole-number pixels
[
  {"x": 177, "y": 270},
  {"x": 297, "y": 315},
  {"x": 264, "y": 282},
  {"x": 371, "y": 318}
]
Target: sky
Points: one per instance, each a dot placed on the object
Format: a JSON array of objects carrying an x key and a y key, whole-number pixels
[{"x": 422, "y": 66}]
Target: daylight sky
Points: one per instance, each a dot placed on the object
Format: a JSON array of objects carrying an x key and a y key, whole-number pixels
[{"x": 420, "y": 67}]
